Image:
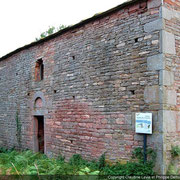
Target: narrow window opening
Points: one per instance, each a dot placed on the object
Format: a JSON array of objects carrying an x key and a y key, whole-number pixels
[
  {"x": 42, "y": 71},
  {"x": 71, "y": 141},
  {"x": 74, "y": 97},
  {"x": 136, "y": 40},
  {"x": 39, "y": 70},
  {"x": 73, "y": 57},
  {"x": 132, "y": 92},
  {"x": 55, "y": 91}
]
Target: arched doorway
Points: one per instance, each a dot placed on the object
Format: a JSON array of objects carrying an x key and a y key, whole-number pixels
[{"x": 39, "y": 133}]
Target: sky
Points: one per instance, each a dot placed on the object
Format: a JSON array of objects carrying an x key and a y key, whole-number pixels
[{"x": 22, "y": 21}]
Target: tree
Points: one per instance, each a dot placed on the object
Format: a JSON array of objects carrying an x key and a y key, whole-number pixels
[{"x": 50, "y": 31}]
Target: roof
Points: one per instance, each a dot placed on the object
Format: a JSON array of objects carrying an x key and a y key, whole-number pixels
[{"x": 93, "y": 18}]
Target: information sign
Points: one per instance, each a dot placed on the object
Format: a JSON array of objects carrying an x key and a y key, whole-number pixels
[{"x": 144, "y": 123}]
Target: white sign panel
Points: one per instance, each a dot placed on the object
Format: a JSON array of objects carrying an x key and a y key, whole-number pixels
[{"x": 144, "y": 123}]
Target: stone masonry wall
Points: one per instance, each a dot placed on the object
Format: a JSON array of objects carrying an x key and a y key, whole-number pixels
[
  {"x": 95, "y": 78},
  {"x": 100, "y": 78},
  {"x": 171, "y": 77}
]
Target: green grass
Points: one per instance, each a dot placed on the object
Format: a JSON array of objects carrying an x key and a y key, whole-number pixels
[{"x": 29, "y": 163}]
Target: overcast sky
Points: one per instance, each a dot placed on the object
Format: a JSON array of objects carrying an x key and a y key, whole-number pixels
[{"x": 21, "y": 21}]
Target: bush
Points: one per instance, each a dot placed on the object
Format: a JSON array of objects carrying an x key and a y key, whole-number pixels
[
  {"x": 5, "y": 150},
  {"x": 133, "y": 168},
  {"x": 175, "y": 151},
  {"x": 77, "y": 160},
  {"x": 102, "y": 162},
  {"x": 129, "y": 169}
]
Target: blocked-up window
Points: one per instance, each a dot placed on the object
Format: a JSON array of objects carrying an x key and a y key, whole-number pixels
[{"x": 39, "y": 70}]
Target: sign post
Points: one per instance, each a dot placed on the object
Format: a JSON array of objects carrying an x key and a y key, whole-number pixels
[
  {"x": 145, "y": 147},
  {"x": 144, "y": 126}
]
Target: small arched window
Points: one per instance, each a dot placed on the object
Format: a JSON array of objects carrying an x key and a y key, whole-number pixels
[{"x": 39, "y": 70}]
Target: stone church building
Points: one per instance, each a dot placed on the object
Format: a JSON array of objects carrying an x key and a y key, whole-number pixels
[{"x": 77, "y": 91}]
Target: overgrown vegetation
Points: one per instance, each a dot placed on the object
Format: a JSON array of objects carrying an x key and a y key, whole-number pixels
[
  {"x": 29, "y": 163},
  {"x": 136, "y": 167},
  {"x": 51, "y": 30},
  {"x": 175, "y": 151},
  {"x": 173, "y": 165},
  {"x": 138, "y": 154}
]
